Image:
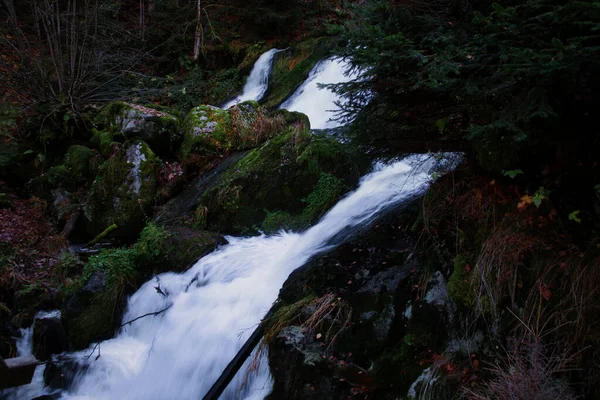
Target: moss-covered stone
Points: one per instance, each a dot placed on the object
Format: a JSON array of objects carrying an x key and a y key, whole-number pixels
[
  {"x": 291, "y": 68},
  {"x": 459, "y": 284},
  {"x": 204, "y": 130},
  {"x": 94, "y": 311},
  {"x": 277, "y": 177},
  {"x": 209, "y": 130},
  {"x": 104, "y": 141},
  {"x": 123, "y": 191},
  {"x": 158, "y": 128},
  {"x": 80, "y": 160},
  {"x": 96, "y": 302},
  {"x": 164, "y": 249}
]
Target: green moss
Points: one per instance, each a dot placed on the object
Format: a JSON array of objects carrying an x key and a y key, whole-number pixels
[
  {"x": 278, "y": 176},
  {"x": 99, "y": 319},
  {"x": 291, "y": 68},
  {"x": 79, "y": 159},
  {"x": 401, "y": 366},
  {"x": 275, "y": 221},
  {"x": 326, "y": 193},
  {"x": 459, "y": 284},
  {"x": 103, "y": 141},
  {"x": 58, "y": 175},
  {"x": 210, "y": 130},
  {"x": 109, "y": 113},
  {"x": 123, "y": 192},
  {"x": 205, "y": 130}
]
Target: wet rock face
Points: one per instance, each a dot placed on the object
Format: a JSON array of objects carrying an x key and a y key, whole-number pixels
[
  {"x": 49, "y": 337},
  {"x": 377, "y": 275},
  {"x": 61, "y": 371}
]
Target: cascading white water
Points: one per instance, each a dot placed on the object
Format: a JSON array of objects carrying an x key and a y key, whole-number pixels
[
  {"x": 258, "y": 81},
  {"x": 215, "y": 305},
  {"x": 320, "y": 104},
  {"x": 24, "y": 346}
]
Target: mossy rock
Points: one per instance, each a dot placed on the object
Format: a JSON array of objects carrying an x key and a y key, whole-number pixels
[
  {"x": 96, "y": 307},
  {"x": 459, "y": 284},
  {"x": 82, "y": 161},
  {"x": 291, "y": 68},
  {"x": 105, "y": 141},
  {"x": 163, "y": 249},
  {"x": 277, "y": 177},
  {"x": 123, "y": 191},
  {"x": 209, "y": 130},
  {"x": 157, "y": 128}
]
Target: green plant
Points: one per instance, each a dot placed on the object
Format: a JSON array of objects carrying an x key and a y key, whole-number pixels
[{"x": 325, "y": 194}]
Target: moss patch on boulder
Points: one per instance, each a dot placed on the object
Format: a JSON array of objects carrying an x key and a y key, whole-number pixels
[
  {"x": 124, "y": 190},
  {"x": 97, "y": 300},
  {"x": 82, "y": 162},
  {"x": 209, "y": 130},
  {"x": 158, "y": 128},
  {"x": 291, "y": 68},
  {"x": 277, "y": 177}
]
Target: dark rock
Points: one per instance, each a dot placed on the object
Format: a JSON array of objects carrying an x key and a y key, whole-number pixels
[
  {"x": 61, "y": 372},
  {"x": 82, "y": 298},
  {"x": 55, "y": 396},
  {"x": 8, "y": 331},
  {"x": 49, "y": 337},
  {"x": 179, "y": 206},
  {"x": 300, "y": 371}
]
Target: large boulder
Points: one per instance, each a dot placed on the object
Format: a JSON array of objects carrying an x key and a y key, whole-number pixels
[
  {"x": 123, "y": 191},
  {"x": 158, "y": 128},
  {"x": 279, "y": 177},
  {"x": 381, "y": 333},
  {"x": 209, "y": 130}
]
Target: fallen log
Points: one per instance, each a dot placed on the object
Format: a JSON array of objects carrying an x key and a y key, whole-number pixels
[
  {"x": 16, "y": 371},
  {"x": 234, "y": 366}
]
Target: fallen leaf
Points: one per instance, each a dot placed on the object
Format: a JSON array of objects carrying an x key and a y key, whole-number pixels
[{"x": 525, "y": 200}]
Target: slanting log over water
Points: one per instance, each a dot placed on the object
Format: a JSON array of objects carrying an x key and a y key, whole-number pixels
[
  {"x": 16, "y": 371},
  {"x": 234, "y": 366}
]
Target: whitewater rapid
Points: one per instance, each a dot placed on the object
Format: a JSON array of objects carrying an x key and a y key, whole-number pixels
[
  {"x": 212, "y": 308},
  {"x": 321, "y": 104},
  {"x": 258, "y": 82}
]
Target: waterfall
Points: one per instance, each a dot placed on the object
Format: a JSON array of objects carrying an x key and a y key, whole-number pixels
[
  {"x": 318, "y": 103},
  {"x": 24, "y": 346},
  {"x": 214, "y": 306},
  {"x": 258, "y": 81}
]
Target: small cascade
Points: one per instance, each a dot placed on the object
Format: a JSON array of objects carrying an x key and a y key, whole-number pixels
[
  {"x": 317, "y": 103},
  {"x": 258, "y": 81}
]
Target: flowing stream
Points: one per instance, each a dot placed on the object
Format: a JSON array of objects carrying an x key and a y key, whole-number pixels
[
  {"x": 320, "y": 103},
  {"x": 258, "y": 81},
  {"x": 211, "y": 309},
  {"x": 215, "y": 305}
]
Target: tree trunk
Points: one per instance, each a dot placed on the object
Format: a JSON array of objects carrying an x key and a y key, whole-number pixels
[{"x": 199, "y": 33}]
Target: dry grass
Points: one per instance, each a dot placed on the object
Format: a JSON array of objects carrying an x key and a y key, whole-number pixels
[
  {"x": 322, "y": 318},
  {"x": 529, "y": 370},
  {"x": 496, "y": 273}
]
